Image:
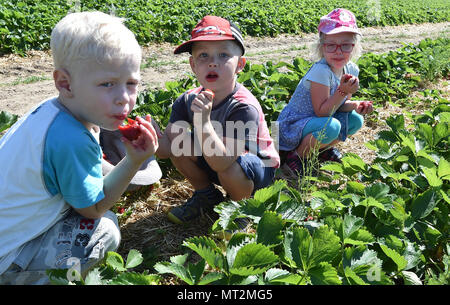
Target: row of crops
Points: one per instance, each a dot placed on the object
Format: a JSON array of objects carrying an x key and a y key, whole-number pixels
[{"x": 27, "y": 24}]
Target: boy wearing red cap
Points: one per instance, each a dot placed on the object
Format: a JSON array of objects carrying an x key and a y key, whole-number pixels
[{"x": 230, "y": 143}]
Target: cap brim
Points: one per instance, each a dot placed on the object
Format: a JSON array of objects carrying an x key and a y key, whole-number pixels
[
  {"x": 342, "y": 29},
  {"x": 187, "y": 46}
]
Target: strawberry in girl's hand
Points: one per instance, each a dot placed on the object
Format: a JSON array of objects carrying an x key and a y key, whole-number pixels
[
  {"x": 130, "y": 131},
  {"x": 347, "y": 77},
  {"x": 364, "y": 106}
]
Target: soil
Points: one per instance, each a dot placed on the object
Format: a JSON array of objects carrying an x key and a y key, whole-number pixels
[{"x": 25, "y": 81}]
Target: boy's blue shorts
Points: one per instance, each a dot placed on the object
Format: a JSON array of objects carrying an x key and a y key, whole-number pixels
[{"x": 252, "y": 166}]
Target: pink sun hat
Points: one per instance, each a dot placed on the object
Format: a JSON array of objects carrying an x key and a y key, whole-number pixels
[{"x": 338, "y": 21}]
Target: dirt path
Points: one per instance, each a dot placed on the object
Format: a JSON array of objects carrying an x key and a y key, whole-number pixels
[{"x": 26, "y": 81}]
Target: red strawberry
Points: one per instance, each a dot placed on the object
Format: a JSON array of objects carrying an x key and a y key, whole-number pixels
[
  {"x": 131, "y": 130},
  {"x": 347, "y": 77},
  {"x": 210, "y": 91}
]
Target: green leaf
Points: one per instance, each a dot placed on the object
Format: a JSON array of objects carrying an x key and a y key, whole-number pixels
[
  {"x": 352, "y": 278},
  {"x": 355, "y": 187},
  {"x": 326, "y": 245},
  {"x": 253, "y": 259},
  {"x": 207, "y": 249},
  {"x": 333, "y": 167},
  {"x": 228, "y": 211},
  {"x": 354, "y": 162},
  {"x": 134, "y": 259},
  {"x": 377, "y": 190},
  {"x": 7, "y": 120},
  {"x": 210, "y": 277},
  {"x": 324, "y": 274},
  {"x": 132, "y": 278},
  {"x": 175, "y": 269},
  {"x": 432, "y": 177},
  {"x": 411, "y": 278},
  {"x": 274, "y": 275},
  {"x": 399, "y": 260},
  {"x": 94, "y": 278},
  {"x": 444, "y": 169},
  {"x": 271, "y": 192},
  {"x": 179, "y": 259},
  {"x": 298, "y": 247},
  {"x": 440, "y": 132},
  {"x": 360, "y": 237},
  {"x": 372, "y": 202},
  {"x": 196, "y": 270},
  {"x": 114, "y": 260},
  {"x": 350, "y": 225},
  {"x": 292, "y": 210},
  {"x": 269, "y": 229},
  {"x": 423, "y": 204}
]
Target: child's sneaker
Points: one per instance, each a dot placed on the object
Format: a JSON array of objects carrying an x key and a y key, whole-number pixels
[
  {"x": 330, "y": 154},
  {"x": 294, "y": 163},
  {"x": 199, "y": 204}
]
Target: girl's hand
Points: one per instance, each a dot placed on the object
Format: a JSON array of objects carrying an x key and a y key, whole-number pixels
[
  {"x": 349, "y": 84},
  {"x": 364, "y": 107},
  {"x": 202, "y": 104},
  {"x": 146, "y": 144}
]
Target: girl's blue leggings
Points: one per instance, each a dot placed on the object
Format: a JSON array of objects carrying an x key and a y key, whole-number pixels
[{"x": 327, "y": 129}]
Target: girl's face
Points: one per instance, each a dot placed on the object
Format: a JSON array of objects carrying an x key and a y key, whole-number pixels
[{"x": 337, "y": 50}]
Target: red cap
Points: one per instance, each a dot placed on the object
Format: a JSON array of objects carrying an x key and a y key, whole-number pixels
[{"x": 212, "y": 28}]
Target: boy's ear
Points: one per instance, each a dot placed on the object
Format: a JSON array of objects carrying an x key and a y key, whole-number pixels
[
  {"x": 241, "y": 64},
  {"x": 62, "y": 82}
]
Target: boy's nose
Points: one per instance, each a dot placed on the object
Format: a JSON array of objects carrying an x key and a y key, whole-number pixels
[
  {"x": 122, "y": 97},
  {"x": 213, "y": 62}
]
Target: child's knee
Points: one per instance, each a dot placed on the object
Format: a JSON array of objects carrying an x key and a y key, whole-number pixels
[
  {"x": 329, "y": 133},
  {"x": 236, "y": 182},
  {"x": 355, "y": 122},
  {"x": 111, "y": 231}
]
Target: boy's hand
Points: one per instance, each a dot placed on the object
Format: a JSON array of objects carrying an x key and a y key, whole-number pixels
[
  {"x": 146, "y": 144},
  {"x": 364, "y": 107},
  {"x": 349, "y": 84},
  {"x": 202, "y": 104}
]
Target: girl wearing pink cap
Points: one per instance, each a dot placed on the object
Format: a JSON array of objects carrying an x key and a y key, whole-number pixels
[{"x": 321, "y": 112}]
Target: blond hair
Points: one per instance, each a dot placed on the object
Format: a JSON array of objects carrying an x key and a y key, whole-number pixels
[
  {"x": 91, "y": 36},
  {"x": 317, "y": 51}
]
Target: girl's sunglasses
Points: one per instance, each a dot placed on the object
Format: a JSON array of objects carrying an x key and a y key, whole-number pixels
[{"x": 332, "y": 47}]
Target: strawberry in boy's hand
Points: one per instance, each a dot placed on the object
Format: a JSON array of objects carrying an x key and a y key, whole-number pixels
[
  {"x": 131, "y": 130},
  {"x": 210, "y": 91}
]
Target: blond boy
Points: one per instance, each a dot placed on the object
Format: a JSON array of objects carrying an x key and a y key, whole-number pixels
[{"x": 54, "y": 200}]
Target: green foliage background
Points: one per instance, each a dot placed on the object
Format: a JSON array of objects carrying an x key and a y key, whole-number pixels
[{"x": 27, "y": 24}]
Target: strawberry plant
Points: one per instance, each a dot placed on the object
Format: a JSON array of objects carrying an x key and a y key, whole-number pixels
[
  {"x": 26, "y": 24},
  {"x": 7, "y": 120},
  {"x": 113, "y": 271}
]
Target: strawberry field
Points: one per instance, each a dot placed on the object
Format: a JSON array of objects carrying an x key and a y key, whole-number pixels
[{"x": 378, "y": 220}]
